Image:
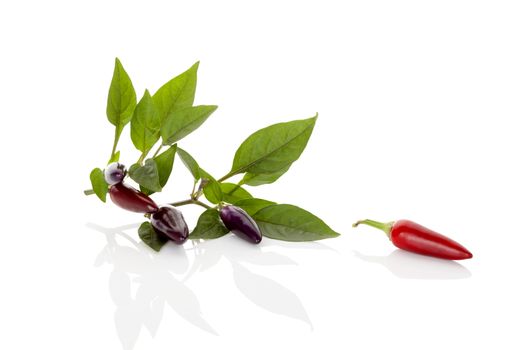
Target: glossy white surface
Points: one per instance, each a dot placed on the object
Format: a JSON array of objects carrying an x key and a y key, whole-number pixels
[{"x": 420, "y": 117}]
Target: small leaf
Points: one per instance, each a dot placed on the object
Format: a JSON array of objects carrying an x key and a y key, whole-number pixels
[
  {"x": 146, "y": 175},
  {"x": 212, "y": 189},
  {"x": 121, "y": 99},
  {"x": 114, "y": 158},
  {"x": 209, "y": 226},
  {"x": 263, "y": 179},
  {"x": 177, "y": 93},
  {"x": 180, "y": 123},
  {"x": 232, "y": 193},
  {"x": 273, "y": 148},
  {"x": 145, "y": 124},
  {"x": 100, "y": 187},
  {"x": 164, "y": 163},
  {"x": 290, "y": 223},
  {"x": 253, "y": 205},
  {"x": 190, "y": 163},
  {"x": 150, "y": 237}
]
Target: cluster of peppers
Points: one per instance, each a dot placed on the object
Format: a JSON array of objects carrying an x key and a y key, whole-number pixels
[{"x": 167, "y": 220}]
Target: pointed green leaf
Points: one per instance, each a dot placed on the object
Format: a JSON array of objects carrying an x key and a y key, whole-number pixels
[
  {"x": 212, "y": 189},
  {"x": 232, "y": 193},
  {"x": 273, "y": 148},
  {"x": 177, "y": 93},
  {"x": 190, "y": 163},
  {"x": 253, "y": 205},
  {"x": 209, "y": 226},
  {"x": 164, "y": 163},
  {"x": 262, "y": 179},
  {"x": 290, "y": 223},
  {"x": 181, "y": 122},
  {"x": 121, "y": 99},
  {"x": 100, "y": 187},
  {"x": 145, "y": 124},
  {"x": 147, "y": 175},
  {"x": 148, "y": 235}
]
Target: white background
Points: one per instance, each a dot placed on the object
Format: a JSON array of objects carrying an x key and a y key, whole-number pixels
[{"x": 420, "y": 116}]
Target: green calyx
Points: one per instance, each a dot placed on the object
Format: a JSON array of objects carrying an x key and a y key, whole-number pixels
[{"x": 386, "y": 227}]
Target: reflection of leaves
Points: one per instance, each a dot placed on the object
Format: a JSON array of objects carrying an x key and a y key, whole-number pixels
[
  {"x": 157, "y": 286},
  {"x": 154, "y": 317},
  {"x": 189, "y": 309},
  {"x": 269, "y": 294},
  {"x": 120, "y": 288},
  {"x": 154, "y": 273},
  {"x": 103, "y": 257},
  {"x": 208, "y": 254},
  {"x": 128, "y": 327}
]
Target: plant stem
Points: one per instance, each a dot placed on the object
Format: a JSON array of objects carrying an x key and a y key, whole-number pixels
[
  {"x": 141, "y": 158},
  {"x": 192, "y": 195},
  {"x": 225, "y": 177},
  {"x": 115, "y": 142},
  {"x": 89, "y": 192},
  {"x": 190, "y": 201},
  {"x": 158, "y": 150}
]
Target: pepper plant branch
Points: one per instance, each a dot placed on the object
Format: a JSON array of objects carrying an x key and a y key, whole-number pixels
[
  {"x": 141, "y": 158},
  {"x": 226, "y": 177},
  {"x": 115, "y": 142},
  {"x": 158, "y": 150},
  {"x": 193, "y": 195},
  {"x": 190, "y": 201}
]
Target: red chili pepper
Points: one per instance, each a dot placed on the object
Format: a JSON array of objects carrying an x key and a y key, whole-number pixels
[
  {"x": 408, "y": 235},
  {"x": 131, "y": 199}
]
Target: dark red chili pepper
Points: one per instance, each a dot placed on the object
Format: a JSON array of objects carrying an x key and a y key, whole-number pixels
[
  {"x": 239, "y": 222},
  {"x": 169, "y": 222},
  {"x": 131, "y": 199},
  {"x": 413, "y": 237}
]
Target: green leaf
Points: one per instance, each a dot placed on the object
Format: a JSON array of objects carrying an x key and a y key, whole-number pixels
[
  {"x": 290, "y": 223},
  {"x": 262, "y": 179},
  {"x": 180, "y": 123},
  {"x": 150, "y": 237},
  {"x": 190, "y": 163},
  {"x": 100, "y": 187},
  {"x": 211, "y": 188},
  {"x": 164, "y": 163},
  {"x": 177, "y": 93},
  {"x": 145, "y": 124},
  {"x": 253, "y": 205},
  {"x": 147, "y": 175},
  {"x": 232, "y": 193},
  {"x": 209, "y": 226},
  {"x": 273, "y": 148},
  {"x": 121, "y": 99},
  {"x": 114, "y": 157}
]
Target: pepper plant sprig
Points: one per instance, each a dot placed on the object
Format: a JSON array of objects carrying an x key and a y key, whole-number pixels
[{"x": 157, "y": 124}]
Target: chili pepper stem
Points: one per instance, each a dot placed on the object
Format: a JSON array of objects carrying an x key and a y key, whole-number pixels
[{"x": 386, "y": 227}]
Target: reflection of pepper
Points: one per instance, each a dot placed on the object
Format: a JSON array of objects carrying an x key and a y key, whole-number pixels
[{"x": 413, "y": 237}]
